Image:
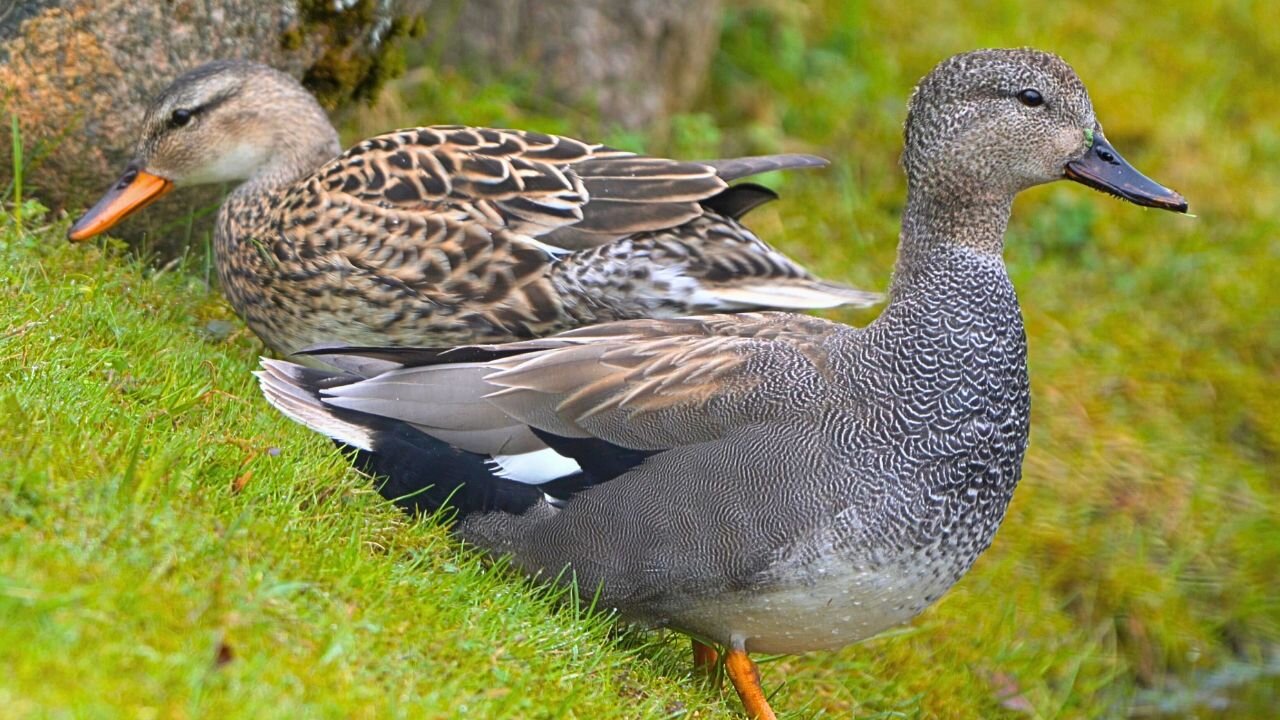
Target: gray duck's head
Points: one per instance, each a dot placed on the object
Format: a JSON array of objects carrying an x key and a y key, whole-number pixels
[
  {"x": 987, "y": 124},
  {"x": 225, "y": 121}
]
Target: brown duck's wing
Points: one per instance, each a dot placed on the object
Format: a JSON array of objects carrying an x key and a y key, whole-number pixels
[
  {"x": 444, "y": 235},
  {"x": 439, "y": 226},
  {"x": 738, "y": 168},
  {"x": 642, "y": 384},
  {"x": 525, "y": 182},
  {"x": 608, "y": 220}
]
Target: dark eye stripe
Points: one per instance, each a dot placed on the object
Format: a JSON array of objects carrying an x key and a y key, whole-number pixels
[
  {"x": 182, "y": 116},
  {"x": 1031, "y": 97}
]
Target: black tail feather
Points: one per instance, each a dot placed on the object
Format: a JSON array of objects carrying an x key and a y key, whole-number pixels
[
  {"x": 414, "y": 470},
  {"x": 740, "y": 199},
  {"x": 421, "y": 474},
  {"x": 600, "y": 461}
]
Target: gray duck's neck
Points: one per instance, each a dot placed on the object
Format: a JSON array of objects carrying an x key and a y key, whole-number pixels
[
  {"x": 935, "y": 228},
  {"x": 952, "y": 348}
]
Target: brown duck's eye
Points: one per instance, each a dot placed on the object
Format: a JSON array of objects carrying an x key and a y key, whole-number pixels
[
  {"x": 180, "y": 117},
  {"x": 1031, "y": 97}
]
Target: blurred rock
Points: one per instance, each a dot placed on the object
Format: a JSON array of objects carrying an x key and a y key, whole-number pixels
[
  {"x": 637, "y": 61},
  {"x": 78, "y": 74}
]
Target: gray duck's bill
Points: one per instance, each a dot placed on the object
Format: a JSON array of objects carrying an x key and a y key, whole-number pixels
[{"x": 1102, "y": 168}]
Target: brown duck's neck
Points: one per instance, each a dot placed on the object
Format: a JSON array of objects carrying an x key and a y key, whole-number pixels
[
  {"x": 297, "y": 156},
  {"x": 932, "y": 225}
]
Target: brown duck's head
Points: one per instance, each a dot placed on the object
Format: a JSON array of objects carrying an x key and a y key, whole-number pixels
[
  {"x": 225, "y": 121},
  {"x": 1007, "y": 120}
]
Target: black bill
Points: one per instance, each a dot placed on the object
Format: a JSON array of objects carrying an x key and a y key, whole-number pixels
[{"x": 1102, "y": 168}]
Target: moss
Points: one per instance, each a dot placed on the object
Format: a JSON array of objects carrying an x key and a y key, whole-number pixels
[{"x": 352, "y": 67}]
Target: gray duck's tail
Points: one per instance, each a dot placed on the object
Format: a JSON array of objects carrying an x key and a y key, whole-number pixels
[{"x": 417, "y": 467}]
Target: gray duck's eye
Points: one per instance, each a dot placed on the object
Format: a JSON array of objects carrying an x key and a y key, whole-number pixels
[
  {"x": 1031, "y": 97},
  {"x": 179, "y": 118}
]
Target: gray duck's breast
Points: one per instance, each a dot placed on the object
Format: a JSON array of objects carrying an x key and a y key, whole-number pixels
[
  {"x": 932, "y": 435},
  {"x": 942, "y": 437}
]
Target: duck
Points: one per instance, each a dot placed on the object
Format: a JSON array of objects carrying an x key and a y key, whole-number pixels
[
  {"x": 763, "y": 482},
  {"x": 448, "y": 234}
]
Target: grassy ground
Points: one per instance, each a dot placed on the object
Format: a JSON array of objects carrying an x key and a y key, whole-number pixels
[
  {"x": 147, "y": 524},
  {"x": 170, "y": 548}
]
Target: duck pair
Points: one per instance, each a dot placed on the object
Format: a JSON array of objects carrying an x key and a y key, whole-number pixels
[{"x": 764, "y": 482}]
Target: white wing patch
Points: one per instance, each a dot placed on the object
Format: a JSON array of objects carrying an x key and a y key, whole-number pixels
[
  {"x": 533, "y": 468},
  {"x": 792, "y": 296}
]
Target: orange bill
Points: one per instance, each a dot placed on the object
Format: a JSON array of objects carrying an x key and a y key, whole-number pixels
[{"x": 134, "y": 190}]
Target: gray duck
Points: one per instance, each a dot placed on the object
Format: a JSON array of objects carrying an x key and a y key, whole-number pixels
[
  {"x": 762, "y": 482},
  {"x": 449, "y": 234}
]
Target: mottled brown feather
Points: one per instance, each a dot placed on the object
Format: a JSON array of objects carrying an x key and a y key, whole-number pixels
[
  {"x": 450, "y": 234},
  {"x": 445, "y": 235}
]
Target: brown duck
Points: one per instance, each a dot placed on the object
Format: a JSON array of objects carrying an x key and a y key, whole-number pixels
[{"x": 450, "y": 234}]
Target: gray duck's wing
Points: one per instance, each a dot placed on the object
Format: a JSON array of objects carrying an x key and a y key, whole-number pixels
[
  {"x": 642, "y": 385},
  {"x": 641, "y": 429}
]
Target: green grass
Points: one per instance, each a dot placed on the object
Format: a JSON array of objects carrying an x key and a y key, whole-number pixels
[
  {"x": 1137, "y": 568},
  {"x": 171, "y": 548}
]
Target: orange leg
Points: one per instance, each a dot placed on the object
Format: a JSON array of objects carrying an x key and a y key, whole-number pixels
[
  {"x": 704, "y": 658},
  {"x": 746, "y": 680}
]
